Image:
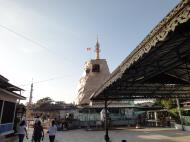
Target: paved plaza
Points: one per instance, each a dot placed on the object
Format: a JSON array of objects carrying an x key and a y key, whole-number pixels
[{"x": 131, "y": 135}]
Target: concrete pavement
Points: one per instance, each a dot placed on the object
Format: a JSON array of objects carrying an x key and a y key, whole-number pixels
[{"x": 131, "y": 135}]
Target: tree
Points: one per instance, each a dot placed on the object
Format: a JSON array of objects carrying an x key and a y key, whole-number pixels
[
  {"x": 44, "y": 103},
  {"x": 46, "y": 100},
  {"x": 167, "y": 103},
  {"x": 171, "y": 108}
]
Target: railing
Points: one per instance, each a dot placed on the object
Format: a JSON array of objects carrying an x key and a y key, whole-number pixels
[
  {"x": 96, "y": 117},
  {"x": 93, "y": 119}
]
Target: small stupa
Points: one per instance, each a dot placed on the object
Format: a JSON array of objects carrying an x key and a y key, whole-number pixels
[{"x": 96, "y": 71}]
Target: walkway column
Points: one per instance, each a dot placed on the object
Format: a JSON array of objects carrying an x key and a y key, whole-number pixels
[
  {"x": 1, "y": 115},
  {"x": 156, "y": 118},
  {"x": 179, "y": 111},
  {"x": 14, "y": 115}
]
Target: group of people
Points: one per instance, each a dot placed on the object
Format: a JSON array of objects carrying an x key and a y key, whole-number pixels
[{"x": 38, "y": 132}]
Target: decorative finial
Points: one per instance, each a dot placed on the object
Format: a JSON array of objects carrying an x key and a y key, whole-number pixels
[{"x": 97, "y": 49}]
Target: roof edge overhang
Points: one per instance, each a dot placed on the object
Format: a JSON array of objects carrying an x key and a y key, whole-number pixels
[
  {"x": 13, "y": 94},
  {"x": 2, "y": 78},
  {"x": 14, "y": 88}
]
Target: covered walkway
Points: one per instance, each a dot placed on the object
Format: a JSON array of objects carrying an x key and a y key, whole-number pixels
[{"x": 159, "y": 67}]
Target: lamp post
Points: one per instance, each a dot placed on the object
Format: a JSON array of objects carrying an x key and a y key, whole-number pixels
[{"x": 106, "y": 137}]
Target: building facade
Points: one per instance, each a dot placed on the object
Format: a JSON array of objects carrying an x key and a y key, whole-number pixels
[
  {"x": 96, "y": 72},
  {"x": 9, "y": 96}
]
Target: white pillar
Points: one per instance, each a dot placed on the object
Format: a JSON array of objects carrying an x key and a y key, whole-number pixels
[
  {"x": 14, "y": 114},
  {"x": 1, "y": 111},
  {"x": 156, "y": 118},
  {"x": 179, "y": 111}
]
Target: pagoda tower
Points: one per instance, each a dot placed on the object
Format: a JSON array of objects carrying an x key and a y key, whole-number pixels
[{"x": 96, "y": 72}]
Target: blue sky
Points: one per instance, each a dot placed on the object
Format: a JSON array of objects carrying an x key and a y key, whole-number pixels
[{"x": 47, "y": 39}]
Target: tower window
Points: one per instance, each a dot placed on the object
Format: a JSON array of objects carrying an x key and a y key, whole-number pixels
[
  {"x": 96, "y": 68},
  {"x": 87, "y": 71}
]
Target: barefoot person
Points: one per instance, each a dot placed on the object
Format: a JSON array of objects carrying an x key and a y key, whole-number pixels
[
  {"x": 22, "y": 131},
  {"x": 52, "y": 131}
]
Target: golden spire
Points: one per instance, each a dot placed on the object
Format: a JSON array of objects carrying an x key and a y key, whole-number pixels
[{"x": 97, "y": 49}]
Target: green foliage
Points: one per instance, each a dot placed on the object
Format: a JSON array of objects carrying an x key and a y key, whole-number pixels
[
  {"x": 46, "y": 100},
  {"x": 173, "y": 111},
  {"x": 186, "y": 113},
  {"x": 167, "y": 103},
  {"x": 174, "y": 114},
  {"x": 157, "y": 102},
  {"x": 186, "y": 120},
  {"x": 171, "y": 108},
  {"x": 44, "y": 103}
]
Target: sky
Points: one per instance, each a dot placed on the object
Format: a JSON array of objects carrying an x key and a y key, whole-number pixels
[{"x": 45, "y": 41}]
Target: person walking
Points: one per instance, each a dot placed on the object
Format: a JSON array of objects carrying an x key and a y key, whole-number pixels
[
  {"x": 38, "y": 133},
  {"x": 52, "y": 131},
  {"x": 22, "y": 131}
]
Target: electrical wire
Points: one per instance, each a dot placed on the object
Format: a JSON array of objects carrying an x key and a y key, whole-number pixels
[
  {"x": 31, "y": 40},
  {"x": 42, "y": 81},
  {"x": 25, "y": 37},
  {"x": 39, "y": 45}
]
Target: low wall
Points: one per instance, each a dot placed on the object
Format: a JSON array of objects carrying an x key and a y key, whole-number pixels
[
  {"x": 6, "y": 128},
  {"x": 10, "y": 139},
  {"x": 180, "y": 127},
  {"x": 113, "y": 123}
]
